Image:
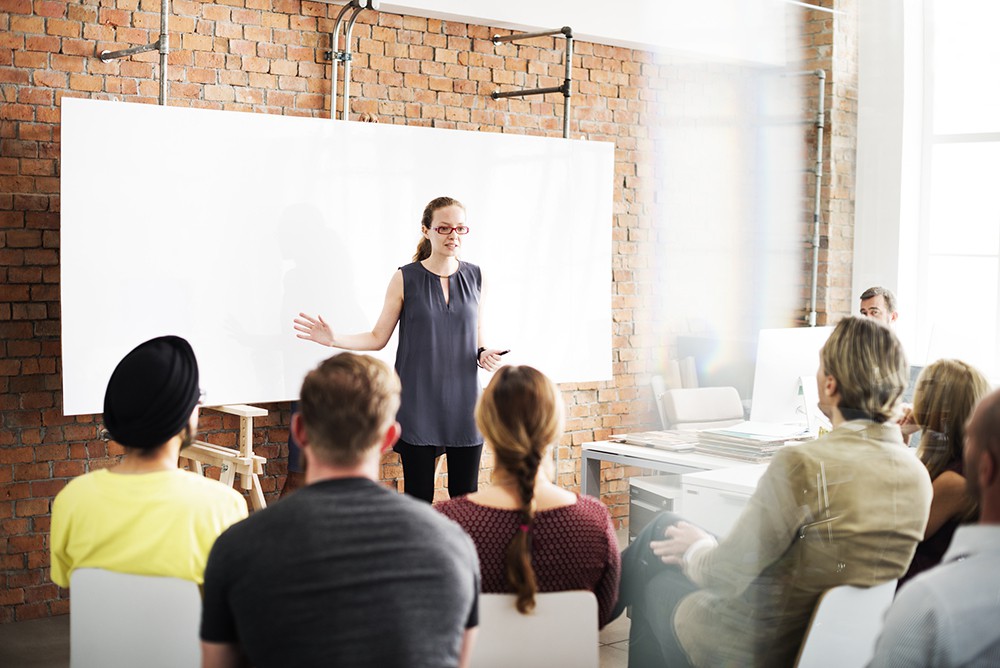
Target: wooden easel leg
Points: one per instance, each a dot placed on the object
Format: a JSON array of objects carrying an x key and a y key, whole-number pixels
[
  {"x": 228, "y": 475},
  {"x": 256, "y": 494}
]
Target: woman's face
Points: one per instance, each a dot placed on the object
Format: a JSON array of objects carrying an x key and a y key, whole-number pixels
[{"x": 446, "y": 218}]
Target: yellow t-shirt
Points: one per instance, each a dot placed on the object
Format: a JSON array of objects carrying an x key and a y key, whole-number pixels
[{"x": 161, "y": 523}]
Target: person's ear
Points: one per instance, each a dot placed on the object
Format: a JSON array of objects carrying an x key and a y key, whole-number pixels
[
  {"x": 830, "y": 386},
  {"x": 893, "y": 316},
  {"x": 391, "y": 436},
  {"x": 987, "y": 470},
  {"x": 298, "y": 428}
]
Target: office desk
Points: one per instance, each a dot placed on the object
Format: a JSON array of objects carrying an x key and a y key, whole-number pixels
[{"x": 663, "y": 461}]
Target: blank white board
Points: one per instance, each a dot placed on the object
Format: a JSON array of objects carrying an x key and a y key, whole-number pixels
[{"x": 221, "y": 226}]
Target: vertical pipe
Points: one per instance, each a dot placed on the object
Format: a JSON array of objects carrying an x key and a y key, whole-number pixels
[
  {"x": 164, "y": 48},
  {"x": 345, "y": 113},
  {"x": 568, "y": 83},
  {"x": 334, "y": 53},
  {"x": 821, "y": 75}
]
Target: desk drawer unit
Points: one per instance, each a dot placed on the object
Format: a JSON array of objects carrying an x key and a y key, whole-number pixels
[
  {"x": 648, "y": 497},
  {"x": 714, "y": 500}
]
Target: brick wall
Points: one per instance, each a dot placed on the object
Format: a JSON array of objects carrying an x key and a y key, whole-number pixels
[
  {"x": 830, "y": 42},
  {"x": 265, "y": 56}
]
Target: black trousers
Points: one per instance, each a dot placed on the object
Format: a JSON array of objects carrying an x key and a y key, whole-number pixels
[
  {"x": 418, "y": 469},
  {"x": 654, "y": 590}
]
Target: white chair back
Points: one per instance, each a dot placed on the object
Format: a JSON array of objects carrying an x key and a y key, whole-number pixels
[
  {"x": 702, "y": 408},
  {"x": 659, "y": 385},
  {"x": 561, "y": 631},
  {"x": 119, "y": 620},
  {"x": 845, "y": 625}
]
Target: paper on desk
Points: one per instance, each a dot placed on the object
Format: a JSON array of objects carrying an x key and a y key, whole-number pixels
[{"x": 762, "y": 431}]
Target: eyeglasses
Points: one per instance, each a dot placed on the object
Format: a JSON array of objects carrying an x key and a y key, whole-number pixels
[{"x": 445, "y": 230}]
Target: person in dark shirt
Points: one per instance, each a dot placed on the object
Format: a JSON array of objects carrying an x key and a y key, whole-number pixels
[
  {"x": 344, "y": 572},
  {"x": 437, "y": 301}
]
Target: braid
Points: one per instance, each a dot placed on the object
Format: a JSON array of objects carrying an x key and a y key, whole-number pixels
[
  {"x": 520, "y": 573},
  {"x": 521, "y": 415}
]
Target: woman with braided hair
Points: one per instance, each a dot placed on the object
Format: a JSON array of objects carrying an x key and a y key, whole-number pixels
[{"x": 531, "y": 535}]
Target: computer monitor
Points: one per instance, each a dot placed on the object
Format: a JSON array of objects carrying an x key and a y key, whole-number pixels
[{"x": 784, "y": 383}]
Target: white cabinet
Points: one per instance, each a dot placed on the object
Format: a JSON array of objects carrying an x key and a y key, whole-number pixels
[{"x": 714, "y": 499}]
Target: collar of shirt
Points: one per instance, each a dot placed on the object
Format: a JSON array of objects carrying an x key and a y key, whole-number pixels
[{"x": 974, "y": 540}]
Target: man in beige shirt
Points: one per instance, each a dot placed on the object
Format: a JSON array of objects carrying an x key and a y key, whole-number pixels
[{"x": 848, "y": 508}]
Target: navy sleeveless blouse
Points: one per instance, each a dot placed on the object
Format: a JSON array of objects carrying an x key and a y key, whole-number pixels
[{"x": 436, "y": 357}]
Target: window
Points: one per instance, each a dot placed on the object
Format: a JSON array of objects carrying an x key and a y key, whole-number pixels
[{"x": 958, "y": 277}]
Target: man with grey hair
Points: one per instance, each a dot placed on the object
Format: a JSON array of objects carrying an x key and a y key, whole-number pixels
[
  {"x": 879, "y": 303},
  {"x": 950, "y": 615},
  {"x": 344, "y": 572},
  {"x": 847, "y": 508}
]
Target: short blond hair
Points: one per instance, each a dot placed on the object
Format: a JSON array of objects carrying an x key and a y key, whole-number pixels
[
  {"x": 347, "y": 403},
  {"x": 868, "y": 362}
]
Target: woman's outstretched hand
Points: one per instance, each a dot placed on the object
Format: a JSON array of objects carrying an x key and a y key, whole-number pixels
[{"x": 314, "y": 329}]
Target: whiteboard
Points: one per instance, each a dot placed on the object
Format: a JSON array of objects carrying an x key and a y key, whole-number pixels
[{"x": 221, "y": 226}]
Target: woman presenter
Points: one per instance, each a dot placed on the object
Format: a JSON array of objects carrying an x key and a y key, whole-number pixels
[{"x": 437, "y": 301}]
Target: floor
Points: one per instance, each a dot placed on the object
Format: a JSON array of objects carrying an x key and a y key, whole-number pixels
[
  {"x": 39, "y": 643},
  {"x": 44, "y": 643}
]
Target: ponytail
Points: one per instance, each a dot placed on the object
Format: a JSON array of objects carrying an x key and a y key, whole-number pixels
[
  {"x": 520, "y": 574},
  {"x": 423, "y": 249}
]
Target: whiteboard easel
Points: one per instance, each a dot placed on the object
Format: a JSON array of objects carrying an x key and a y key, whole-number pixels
[{"x": 233, "y": 461}]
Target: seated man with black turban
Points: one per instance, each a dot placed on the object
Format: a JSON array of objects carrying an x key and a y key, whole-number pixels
[{"x": 145, "y": 515}]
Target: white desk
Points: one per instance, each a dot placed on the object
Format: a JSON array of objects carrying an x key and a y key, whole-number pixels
[{"x": 648, "y": 458}]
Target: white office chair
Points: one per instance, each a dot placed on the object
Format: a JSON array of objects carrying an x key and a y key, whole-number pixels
[
  {"x": 119, "y": 620},
  {"x": 845, "y": 625},
  {"x": 561, "y": 631},
  {"x": 702, "y": 408}
]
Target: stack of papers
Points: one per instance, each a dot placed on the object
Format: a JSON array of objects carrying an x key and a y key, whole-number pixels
[
  {"x": 673, "y": 440},
  {"x": 750, "y": 441}
]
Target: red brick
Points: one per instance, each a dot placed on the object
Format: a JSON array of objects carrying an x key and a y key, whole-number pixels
[
  {"x": 67, "y": 469},
  {"x": 68, "y": 63},
  {"x": 31, "y": 507},
  {"x": 16, "y": 6},
  {"x": 30, "y": 611},
  {"x": 86, "y": 82},
  {"x": 63, "y": 28}
]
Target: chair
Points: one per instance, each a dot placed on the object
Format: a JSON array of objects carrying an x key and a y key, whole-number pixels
[
  {"x": 702, "y": 408},
  {"x": 119, "y": 620},
  {"x": 845, "y": 624},
  {"x": 659, "y": 385},
  {"x": 561, "y": 631}
]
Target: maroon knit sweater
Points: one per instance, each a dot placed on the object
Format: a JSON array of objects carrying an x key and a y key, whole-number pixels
[{"x": 573, "y": 547}]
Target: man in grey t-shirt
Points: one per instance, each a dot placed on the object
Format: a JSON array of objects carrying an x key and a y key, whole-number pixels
[{"x": 344, "y": 571}]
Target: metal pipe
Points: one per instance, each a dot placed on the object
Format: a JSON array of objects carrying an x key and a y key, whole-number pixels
[
  {"x": 821, "y": 76},
  {"x": 335, "y": 56},
  {"x": 106, "y": 55},
  {"x": 496, "y": 95},
  {"x": 164, "y": 44},
  {"x": 497, "y": 39},
  {"x": 565, "y": 88},
  {"x": 568, "y": 93},
  {"x": 346, "y": 56}
]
